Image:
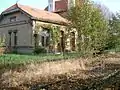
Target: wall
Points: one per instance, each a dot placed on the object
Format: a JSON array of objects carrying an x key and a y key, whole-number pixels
[
  {"x": 51, "y": 5},
  {"x": 23, "y": 27},
  {"x": 62, "y": 28},
  {"x": 19, "y": 16}
]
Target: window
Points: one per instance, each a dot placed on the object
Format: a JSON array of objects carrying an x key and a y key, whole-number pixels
[
  {"x": 72, "y": 41},
  {"x": 36, "y": 40},
  {"x": 14, "y": 33},
  {"x": 42, "y": 40},
  {"x": 62, "y": 41},
  {"x": 15, "y": 37},
  {"x": 13, "y": 19},
  {"x": 45, "y": 38},
  {"x": 10, "y": 32}
]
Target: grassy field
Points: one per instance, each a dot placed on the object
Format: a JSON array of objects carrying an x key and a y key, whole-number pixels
[
  {"x": 26, "y": 71},
  {"x": 13, "y": 60}
]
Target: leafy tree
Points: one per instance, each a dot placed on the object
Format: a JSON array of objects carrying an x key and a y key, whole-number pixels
[
  {"x": 114, "y": 32},
  {"x": 105, "y": 10},
  {"x": 2, "y": 42},
  {"x": 91, "y": 26}
]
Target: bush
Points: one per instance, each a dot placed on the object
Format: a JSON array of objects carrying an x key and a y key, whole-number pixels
[
  {"x": 2, "y": 50},
  {"x": 39, "y": 50}
]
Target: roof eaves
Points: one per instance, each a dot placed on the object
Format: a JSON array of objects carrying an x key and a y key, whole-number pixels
[{"x": 50, "y": 21}]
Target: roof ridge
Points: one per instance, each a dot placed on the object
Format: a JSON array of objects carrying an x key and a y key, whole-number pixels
[
  {"x": 10, "y": 7},
  {"x": 36, "y": 9},
  {"x": 39, "y": 14}
]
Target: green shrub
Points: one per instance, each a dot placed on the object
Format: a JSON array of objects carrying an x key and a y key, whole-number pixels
[
  {"x": 39, "y": 50},
  {"x": 14, "y": 52}
]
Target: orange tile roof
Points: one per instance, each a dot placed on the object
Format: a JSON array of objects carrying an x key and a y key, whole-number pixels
[{"x": 40, "y": 14}]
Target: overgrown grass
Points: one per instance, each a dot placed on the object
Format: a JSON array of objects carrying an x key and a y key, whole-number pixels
[
  {"x": 14, "y": 60},
  {"x": 115, "y": 49}
]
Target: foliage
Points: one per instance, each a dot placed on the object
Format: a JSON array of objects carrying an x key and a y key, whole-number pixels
[
  {"x": 55, "y": 34},
  {"x": 114, "y": 32},
  {"x": 105, "y": 10},
  {"x": 54, "y": 30},
  {"x": 91, "y": 26},
  {"x": 16, "y": 60},
  {"x": 2, "y": 42},
  {"x": 39, "y": 50}
]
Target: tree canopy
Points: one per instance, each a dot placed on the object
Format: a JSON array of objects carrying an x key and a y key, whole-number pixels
[{"x": 91, "y": 26}]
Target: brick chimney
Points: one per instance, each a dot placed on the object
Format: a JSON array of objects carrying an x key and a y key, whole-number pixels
[
  {"x": 61, "y": 5},
  {"x": 51, "y": 5}
]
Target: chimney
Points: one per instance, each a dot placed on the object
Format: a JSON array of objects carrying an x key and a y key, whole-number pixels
[{"x": 51, "y": 5}]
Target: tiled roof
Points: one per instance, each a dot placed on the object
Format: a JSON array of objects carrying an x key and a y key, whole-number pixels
[
  {"x": 40, "y": 14},
  {"x": 10, "y": 8}
]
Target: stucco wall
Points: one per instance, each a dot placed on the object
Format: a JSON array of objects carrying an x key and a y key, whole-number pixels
[
  {"x": 24, "y": 33},
  {"x": 23, "y": 27},
  {"x": 42, "y": 24},
  {"x": 62, "y": 28},
  {"x": 19, "y": 17}
]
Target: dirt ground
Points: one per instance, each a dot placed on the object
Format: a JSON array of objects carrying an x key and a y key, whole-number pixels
[{"x": 72, "y": 74}]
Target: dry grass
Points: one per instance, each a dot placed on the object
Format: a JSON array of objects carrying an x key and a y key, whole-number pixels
[
  {"x": 36, "y": 72},
  {"x": 47, "y": 71}
]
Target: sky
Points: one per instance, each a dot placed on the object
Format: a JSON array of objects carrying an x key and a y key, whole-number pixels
[
  {"x": 113, "y": 5},
  {"x": 41, "y": 4}
]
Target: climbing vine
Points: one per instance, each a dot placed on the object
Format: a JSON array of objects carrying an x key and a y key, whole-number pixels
[
  {"x": 55, "y": 34},
  {"x": 54, "y": 31}
]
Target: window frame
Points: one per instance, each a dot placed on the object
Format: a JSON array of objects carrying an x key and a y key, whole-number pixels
[
  {"x": 13, "y": 19},
  {"x": 45, "y": 40}
]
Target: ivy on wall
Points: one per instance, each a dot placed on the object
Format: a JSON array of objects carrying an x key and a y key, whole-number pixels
[{"x": 54, "y": 31}]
